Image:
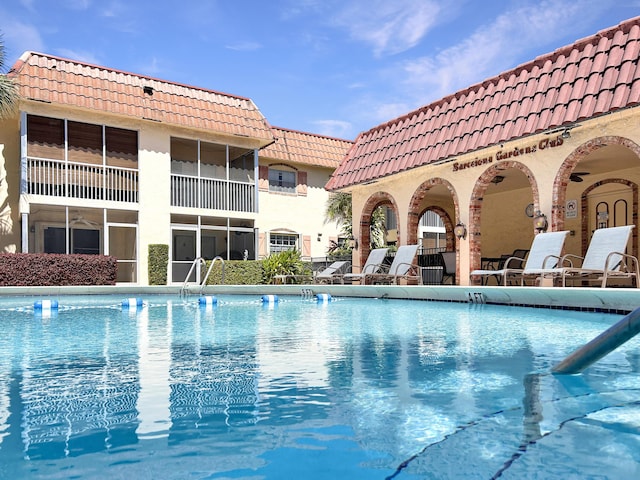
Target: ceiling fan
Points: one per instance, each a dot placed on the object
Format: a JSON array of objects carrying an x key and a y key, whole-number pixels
[
  {"x": 577, "y": 176},
  {"x": 80, "y": 220}
]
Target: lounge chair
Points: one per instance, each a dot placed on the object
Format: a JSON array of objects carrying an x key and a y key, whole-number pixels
[
  {"x": 333, "y": 273},
  {"x": 372, "y": 265},
  {"x": 605, "y": 260},
  {"x": 545, "y": 253},
  {"x": 328, "y": 275},
  {"x": 402, "y": 267}
]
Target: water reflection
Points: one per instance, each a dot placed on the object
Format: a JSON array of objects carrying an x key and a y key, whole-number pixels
[{"x": 239, "y": 386}]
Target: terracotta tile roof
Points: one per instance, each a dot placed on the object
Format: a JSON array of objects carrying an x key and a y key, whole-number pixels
[
  {"x": 591, "y": 77},
  {"x": 55, "y": 80},
  {"x": 306, "y": 148}
]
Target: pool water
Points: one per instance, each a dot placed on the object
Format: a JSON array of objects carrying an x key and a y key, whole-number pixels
[{"x": 300, "y": 389}]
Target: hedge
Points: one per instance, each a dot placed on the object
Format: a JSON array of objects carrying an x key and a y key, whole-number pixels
[
  {"x": 52, "y": 269},
  {"x": 158, "y": 264}
]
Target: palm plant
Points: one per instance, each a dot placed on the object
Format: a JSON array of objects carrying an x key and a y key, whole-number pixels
[
  {"x": 8, "y": 89},
  {"x": 339, "y": 210}
]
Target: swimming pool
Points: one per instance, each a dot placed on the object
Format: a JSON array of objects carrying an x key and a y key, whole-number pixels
[{"x": 350, "y": 388}]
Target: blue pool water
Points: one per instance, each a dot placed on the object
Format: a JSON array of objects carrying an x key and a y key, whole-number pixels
[{"x": 348, "y": 389}]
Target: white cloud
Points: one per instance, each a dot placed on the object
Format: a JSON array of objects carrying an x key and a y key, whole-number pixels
[
  {"x": 390, "y": 27},
  {"x": 78, "y": 4},
  {"x": 20, "y": 37},
  {"x": 78, "y": 55},
  {"x": 246, "y": 46},
  {"x": 495, "y": 47},
  {"x": 333, "y": 128}
]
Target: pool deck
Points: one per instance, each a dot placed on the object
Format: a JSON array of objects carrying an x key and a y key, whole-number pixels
[{"x": 615, "y": 300}]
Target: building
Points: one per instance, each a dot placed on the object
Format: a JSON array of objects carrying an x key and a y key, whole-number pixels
[
  {"x": 102, "y": 161},
  {"x": 557, "y": 138},
  {"x": 293, "y": 172}
]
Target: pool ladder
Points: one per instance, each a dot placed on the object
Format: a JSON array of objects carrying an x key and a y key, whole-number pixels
[{"x": 196, "y": 263}]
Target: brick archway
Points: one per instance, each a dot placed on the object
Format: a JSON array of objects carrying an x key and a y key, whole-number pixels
[
  {"x": 415, "y": 212},
  {"x": 475, "y": 204},
  {"x": 584, "y": 240},
  {"x": 564, "y": 172},
  {"x": 374, "y": 201}
]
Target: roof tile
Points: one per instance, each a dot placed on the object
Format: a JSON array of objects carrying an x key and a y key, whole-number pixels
[
  {"x": 57, "y": 80},
  {"x": 588, "y": 78}
]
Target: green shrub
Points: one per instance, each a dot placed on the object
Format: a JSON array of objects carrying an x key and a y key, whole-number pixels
[
  {"x": 158, "y": 264},
  {"x": 288, "y": 262},
  {"x": 236, "y": 272}
]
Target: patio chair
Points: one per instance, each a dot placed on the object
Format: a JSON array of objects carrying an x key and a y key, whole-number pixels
[
  {"x": 545, "y": 252},
  {"x": 403, "y": 266},
  {"x": 372, "y": 265},
  {"x": 332, "y": 273},
  {"x": 605, "y": 260},
  {"x": 448, "y": 267}
]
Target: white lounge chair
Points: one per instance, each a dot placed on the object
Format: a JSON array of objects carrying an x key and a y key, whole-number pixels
[
  {"x": 605, "y": 259},
  {"x": 372, "y": 265},
  {"x": 545, "y": 253},
  {"x": 403, "y": 266},
  {"x": 332, "y": 273}
]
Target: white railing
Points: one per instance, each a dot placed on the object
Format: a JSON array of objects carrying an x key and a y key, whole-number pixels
[
  {"x": 210, "y": 193},
  {"x": 58, "y": 178}
]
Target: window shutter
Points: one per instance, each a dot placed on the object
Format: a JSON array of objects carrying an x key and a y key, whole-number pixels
[
  {"x": 263, "y": 178},
  {"x": 262, "y": 245},
  {"x": 302, "y": 183},
  {"x": 306, "y": 245}
]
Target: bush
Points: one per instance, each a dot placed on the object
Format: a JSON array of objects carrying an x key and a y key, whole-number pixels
[
  {"x": 158, "y": 264},
  {"x": 288, "y": 262},
  {"x": 236, "y": 272},
  {"x": 50, "y": 269}
]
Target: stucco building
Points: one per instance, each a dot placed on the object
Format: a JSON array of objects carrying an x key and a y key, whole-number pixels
[
  {"x": 109, "y": 162},
  {"x": 557, "y": 136}
]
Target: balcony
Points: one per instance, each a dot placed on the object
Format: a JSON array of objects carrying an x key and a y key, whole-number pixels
[
  {"x": 58, "y": 178},
  {"x": 213, "y": 194}
]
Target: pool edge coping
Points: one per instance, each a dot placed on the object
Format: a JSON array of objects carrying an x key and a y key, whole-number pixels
[{"x": 614, "y": 300}]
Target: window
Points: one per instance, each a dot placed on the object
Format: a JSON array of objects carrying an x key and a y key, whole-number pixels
[
  {"x": 281, "y": 242},
  {"x": 282, "y": 181}
]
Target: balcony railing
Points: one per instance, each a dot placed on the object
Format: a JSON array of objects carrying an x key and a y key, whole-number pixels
[
  {"x": 210, "y": 193},
  {"x": 58, "y": 178}
]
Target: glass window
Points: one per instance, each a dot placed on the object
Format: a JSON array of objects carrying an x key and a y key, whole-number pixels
[
  {"x": 281, "y": 242},
  {"x": 282, "y": 181}
]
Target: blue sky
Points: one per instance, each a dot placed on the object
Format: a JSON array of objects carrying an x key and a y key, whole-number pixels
[{"x": 333, "y": 67}]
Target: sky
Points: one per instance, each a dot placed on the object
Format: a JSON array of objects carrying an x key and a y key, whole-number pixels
[{"x": 330, "y": 67}]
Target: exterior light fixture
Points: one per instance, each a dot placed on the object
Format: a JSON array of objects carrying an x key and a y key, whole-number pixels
[
  {"x": 353, "y": 243},
  {"x": 540, "y": 222},
  {"x": 460, "y": 231},
  {"x": 566, "y": 134},
  {"x": 497, "y": 179}
]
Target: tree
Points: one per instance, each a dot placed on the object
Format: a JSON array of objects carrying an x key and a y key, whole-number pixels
[
  {"x": 339, "y": 210},
  {"x": 8, "y": 89}
]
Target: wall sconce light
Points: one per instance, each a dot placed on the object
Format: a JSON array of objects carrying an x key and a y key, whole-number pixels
[
  {"x": 540, "y": 222},
  {"x": 460, "y": 231},
  {"x": 566, "y": 134},
  {"x": 319, "y": 237},
  {"x": 353, "y": 243}
]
